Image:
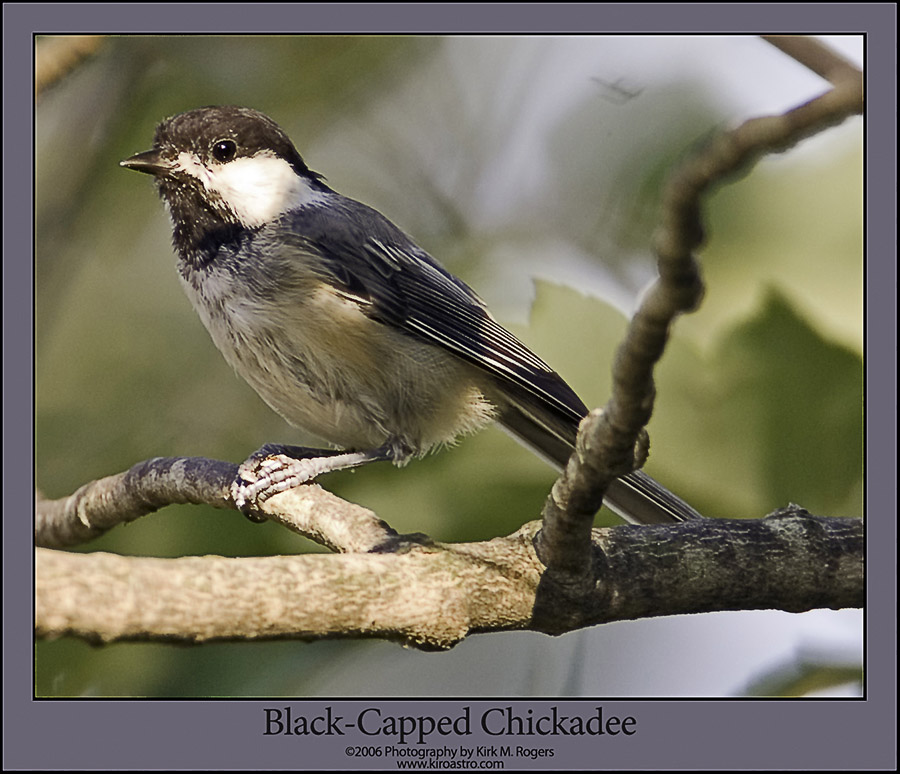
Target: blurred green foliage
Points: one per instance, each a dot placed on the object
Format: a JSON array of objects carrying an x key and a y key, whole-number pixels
[
  {"x": 803, "y": 677},
  {"x": 760, "y": 393}
]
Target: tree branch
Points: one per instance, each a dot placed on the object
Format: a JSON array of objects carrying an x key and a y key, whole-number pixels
[
  {"x": 817, "y": 57},
  {"x": 56, "y": 56},
  {"x": 607, "y": 439},
  {"x": 431, "y": 597},
  {"x": 150, "y": 485}
]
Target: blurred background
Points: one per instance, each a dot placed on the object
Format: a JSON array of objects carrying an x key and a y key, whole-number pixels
[{"x": 530, "y": 167}]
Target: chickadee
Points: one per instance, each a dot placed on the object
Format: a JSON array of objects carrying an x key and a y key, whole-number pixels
[{"x": 341, "y": 323}]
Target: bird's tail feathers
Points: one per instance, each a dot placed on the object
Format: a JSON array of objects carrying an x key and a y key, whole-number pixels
[{"x": 636, "y": 497}]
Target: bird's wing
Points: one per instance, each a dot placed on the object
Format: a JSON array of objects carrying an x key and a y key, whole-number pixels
[{"x": 399, "y": 284}]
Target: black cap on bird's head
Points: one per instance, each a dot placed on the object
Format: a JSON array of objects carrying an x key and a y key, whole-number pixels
[{"x": 220, "y": 133}]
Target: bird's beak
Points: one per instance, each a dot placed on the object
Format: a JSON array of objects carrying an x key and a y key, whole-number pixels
[{"x": 149, "y": 162}]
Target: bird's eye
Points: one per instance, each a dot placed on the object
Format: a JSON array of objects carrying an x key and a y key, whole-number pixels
[{"x": 224, "y": 150}]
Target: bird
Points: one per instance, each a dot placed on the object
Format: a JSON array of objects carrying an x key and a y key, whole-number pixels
[{"x": 341, "y": 323}]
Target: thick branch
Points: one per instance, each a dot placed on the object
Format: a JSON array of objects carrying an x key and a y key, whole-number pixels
[
  {"x": 432, "y": 597},
  {"x": 712, "y": 565}
]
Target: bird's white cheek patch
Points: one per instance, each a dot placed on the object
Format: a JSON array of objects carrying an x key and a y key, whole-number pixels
[{"x": 256, "y": 189}]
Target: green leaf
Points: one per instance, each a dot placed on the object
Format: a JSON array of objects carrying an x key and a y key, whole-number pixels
[{"x": 796, "y": 400}]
